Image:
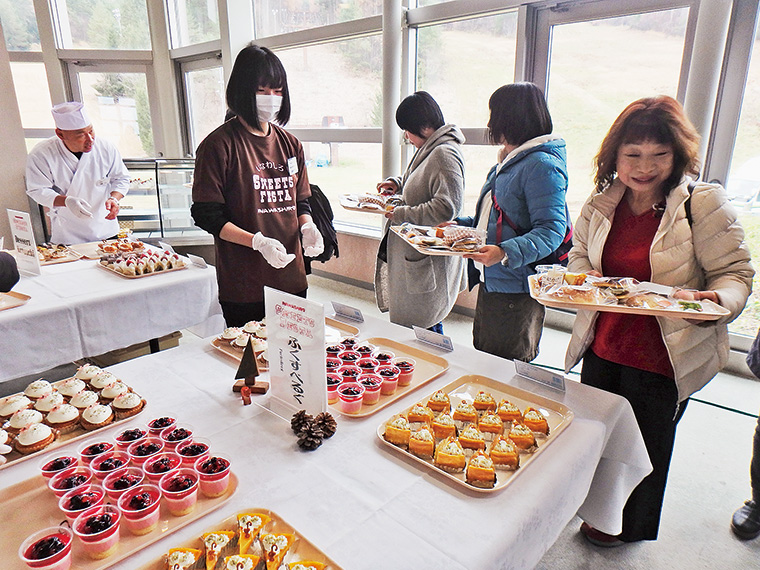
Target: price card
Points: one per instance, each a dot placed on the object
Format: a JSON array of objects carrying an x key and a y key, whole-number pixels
[
  {"x": 430, "y": 337},
  {"x": 197, "y": 260},
  {"x": 541, "y": 375},
  {"x": 296, "y": 351},
  {"x": 347, "y": 312},
  {"x": 166, "y": 247},
  {"x": 23, "y": 242}
]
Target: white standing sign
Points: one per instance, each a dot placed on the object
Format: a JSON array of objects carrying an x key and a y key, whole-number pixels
[
  {"x": 23, "y": 242},
  {"x": 296, "y": 351}
]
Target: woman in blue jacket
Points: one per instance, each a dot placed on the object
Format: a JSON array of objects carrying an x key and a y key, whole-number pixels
[{"x": 522, "y": 206}]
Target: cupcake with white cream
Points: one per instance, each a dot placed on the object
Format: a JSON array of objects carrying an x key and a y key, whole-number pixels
[
  {"x": 48, "y": 402},
  {"x": 64, "y": 418},
  {"x": 96, "y": 417},
  {"x": 38, "y": 389},
  {"x": 84, "y": 399}
]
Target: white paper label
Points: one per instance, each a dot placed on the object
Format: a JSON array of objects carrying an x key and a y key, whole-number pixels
[
  {"x": 540, "y": 375},
  {"x": 292, "y": 165},
  {"x": 348, "y": 312},
  {"x": 296, "y": 348},
  {"x": 23, "y": 242},
  {"x": 166, "y": 247},
  {"x": 197, "y": 260},
  {"x": 430, "y": 337}
]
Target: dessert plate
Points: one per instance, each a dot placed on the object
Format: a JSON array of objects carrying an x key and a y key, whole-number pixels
[
  {"x": 465, "y": 388},
  {"x": 351, "y": 202}
]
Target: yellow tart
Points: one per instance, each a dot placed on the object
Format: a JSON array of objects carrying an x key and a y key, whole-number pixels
[
  {"x": 536, "y": 421},
  {"x": 397, "y": 431},
  {"x": 444, "y": 426},
  {"x": 249, "y": 525},
  {"x": 508, "y": 412},
  {"x": 422, "y": 442},
  {"x": 484, "y": 401},
  {"x": 439, "y": 402},
  {"x": 240, "y": 562},
  {"x": 449, "y": 456},
  {"x": 465, "y": 412},
  {"x": 523, "y": 437},
  {"x": 472, "y": 438},
  {"x": 420, "y": 413},
  {"x": 504, "y": 453},
  {"x": 274, "y": 547},
  {"x": 182, "y": 558},
  {"x": 480, "y": 471},
  {"x": 215, "y": 542}
]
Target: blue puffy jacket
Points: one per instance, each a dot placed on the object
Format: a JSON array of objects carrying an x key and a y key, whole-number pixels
[{"x": 530, "y": 188}]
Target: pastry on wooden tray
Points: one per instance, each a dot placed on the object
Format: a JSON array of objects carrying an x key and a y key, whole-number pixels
[
  {"x": 508, "y": 412},
  {"x": 449, "y": 456},
  {"x": 443, "y": 426},
  {"x": 439, "y": 402},
  {"x": 536, "y": 421},
  {"x": 274, "y": 548},
  {"x": 465, "y": 412},
  {"x": 504, "y": 453},
  {"x": 523, "y": 437},
  {"x": 484, "y": 401},
  {"x": 214, "y": 543},
  {"x": 397, "y": 431},
  {"x": 34, "y": 437},
  {"x": 182, "y": 558},
  {"x": 249, "y": 525},
  {"x": 472, "y": 438},
  {"x": 240, "y": 562},
  {"x": 422, "y": 442},
  {"x": 420, "y": 413},
  {"x": 490, "y": 424},
  {"x": 480, "y": 471}
]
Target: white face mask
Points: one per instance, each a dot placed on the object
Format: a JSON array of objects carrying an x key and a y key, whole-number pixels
[{"x": 268, "y": 106}]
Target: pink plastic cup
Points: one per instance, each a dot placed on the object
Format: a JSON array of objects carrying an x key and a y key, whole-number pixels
[
  {"x": 159, "y": 465},
  {"x": 109, "y": 462},
  {"x": 140, "y": 507},
  {"x": 384, "y": 356},
  {"x": 90, "y": 449},
  {"x": 372, "y": 386},
  {"x": 213, "y": 475},
  {"x": 365, "y": 349},
  {"x": 349, "y": 372},
  {"x": 332, "y": 364},
  {"x": 192, "y": 451},
  {"x": 69, "y": 479},
  {"x": 390, "y": 375},
  {"x": 180, "y": 491},
  {"x": 141, "y": 450},
  {"x": 349, "y": 342},
  {"x": 127, "y": 437},
  {"x": 78, "y": 500},
  {"x": 334, "y": 349},
  {"x": 157, "y": 425},
  {"x": 368, "y": 365},
  {"x": 406, "y": 369},
  {"x": 333, "y": 381},
  {"x": 97, "y": 529},
  {"x": 175, "y": 435},
  {"x": 47, "y": 549},
  {"x": 350, "y": 397},
  {"x": 50, "y": 467},
  {"x": 349, "y": 357},
  {"x": 115, "y": 484}
]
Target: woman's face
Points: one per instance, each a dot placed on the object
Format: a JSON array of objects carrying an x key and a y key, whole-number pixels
[
  {"x": 417, "y": 140},
  {"x": 644, "y": 167}
]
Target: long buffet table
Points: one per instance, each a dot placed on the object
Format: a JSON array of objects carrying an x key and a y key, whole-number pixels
[
  {"x": 77, "y": 309},
  {"x": 368, "y": 508}
]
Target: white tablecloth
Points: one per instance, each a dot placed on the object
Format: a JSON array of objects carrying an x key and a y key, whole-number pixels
[
  {"x": 369, "y": 508},
  {"x": 78, "y": 309}
]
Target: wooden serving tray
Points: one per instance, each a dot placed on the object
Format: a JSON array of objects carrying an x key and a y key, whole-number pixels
[
  {"x": 712, "y": 311},
  {"x": 120, "y": 274},
  {"x": 12, "y": 299},
  {"x": 465, "y": 388},
  {"x": 71, "y": 255},
  {"x": 428, "y": 366},
  {"x": 302, "y": 549},
  {"x": 19, "y": 521}
]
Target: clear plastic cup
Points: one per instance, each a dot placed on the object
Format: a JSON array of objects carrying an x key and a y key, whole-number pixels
[
  {"x": 349, "y": 357},
  {"x": 92, "y": 448},
  {"x": 159, "y": 424},
  {"x": 69, "y": 479},
  {"x": 80, "y": 499},
  {"x": 127, "y": 437},
  {"x": 192, "y": 451},
  {"x": 406, "y": 368},
  {"x": 213, "y": 475},
  {"x": 333, "y": 381},
  {"x": 47, "y": 549},
  {"x": 109, "y": 462},
  {"x": 140, "y": 508},
  {"x": 349, "y": 342},
  {"x": 51, "y": 466},
  {"x": 365, "y": 349},
  {"x": 349, "y": 372},
  {"x": 350, "y": 397},
  {"x": 390, "y": 375},
  {"x": 140, "y": 451},
  {"x": 332, "y": 364},
  {"x": 334, "y": 349},
  {"x": 176, "y": 434},
  {"x": 179, "y": 498},
  {"x": 384, "y": 356},
  {"x": 97, "y": 529},
  {"x": 368, "y": 365},
  {"x": 372, "y": 385},
  {"x": 159, "y": 465},
  {"x": 115, "y": 484}
]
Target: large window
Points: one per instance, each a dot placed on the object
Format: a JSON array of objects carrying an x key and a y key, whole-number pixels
[
  {"x": 32, "y": 94},
  {"x": 204, "y": 92},
  {"x": 102, "y": 24},
  {"x": 192, "y": 21},
  {"x": 19, "y": 25},
  {"x": 273, "y": 17}
]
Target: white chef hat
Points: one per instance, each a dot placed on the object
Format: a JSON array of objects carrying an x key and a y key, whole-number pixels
[{"x": 70, "y": 116}]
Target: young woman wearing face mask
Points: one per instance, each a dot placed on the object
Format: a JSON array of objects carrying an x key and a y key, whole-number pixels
[{"x": 251, "y": 190}]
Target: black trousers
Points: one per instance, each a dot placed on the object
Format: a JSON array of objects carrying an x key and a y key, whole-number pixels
[
  {"x": 237, "y": 314},
  {"x": 754, "y": 468},
  {"x": 654, "y": 399}
]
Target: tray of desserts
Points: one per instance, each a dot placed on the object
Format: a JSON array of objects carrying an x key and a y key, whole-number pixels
[
  {"x": 567, "y": 290},
  {"x": 363, "y": 377},
  {"x": 372, "y": 203},
  {"x": 12, "y": 299},
  {"x": 449, "y": 240},
  {"x": 50, "y": 254},
  {"x": 122, "y": 244},
  {"x": 476, "y": 432},
  {"x": 252, "y": 539},
  {"x": 101, "y": 516},
  {"x": 48, "y": 415},
  {"x": 135, "y": 265}
]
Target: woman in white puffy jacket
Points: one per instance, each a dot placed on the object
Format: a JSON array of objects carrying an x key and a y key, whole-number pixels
[{"x": 648, "y": 220}]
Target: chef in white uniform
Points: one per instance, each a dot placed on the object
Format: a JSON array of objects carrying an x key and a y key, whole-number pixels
[{"x": 79, "y": 178}]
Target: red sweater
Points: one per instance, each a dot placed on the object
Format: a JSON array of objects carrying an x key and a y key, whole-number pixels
[{"x": 631, "y": 340}]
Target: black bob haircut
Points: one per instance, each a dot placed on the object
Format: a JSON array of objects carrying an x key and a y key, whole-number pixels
[
  {"x": 256, "y": 67},
  {"x": 417, "y": 111},
  {"x": 518, "y": 113}
]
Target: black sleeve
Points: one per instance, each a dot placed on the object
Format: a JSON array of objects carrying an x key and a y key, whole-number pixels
[
  {"x": 209, "y": 216},
  {"x": 8, "y": 272},
  {"x": 303, "y": 207}
]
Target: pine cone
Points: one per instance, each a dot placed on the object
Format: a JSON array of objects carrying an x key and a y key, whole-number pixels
[
  {"x": 326, "y": 424},
  {"x": 299, "y": 421},
  {"x": 310, "y": 438}
]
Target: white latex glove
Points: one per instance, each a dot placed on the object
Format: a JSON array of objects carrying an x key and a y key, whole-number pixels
[
  {"x": 80, "y": 208},
  {"x": 273, "y": 251},
  {"x": 312, "y": 241}
]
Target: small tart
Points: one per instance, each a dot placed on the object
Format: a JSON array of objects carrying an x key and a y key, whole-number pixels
[
  {"x": 103, "y": 379},
  {"x": 23, "y": 418},
  {"x": 484, "y": 401},
  {"x": 47, "y": 403},
  {"x": 70, "y": 387},
  {"x": 87, "y": 372},
  {"x": 504, "y": 453},
  {"x": 397, "y": 431},
  {"x": 96, "y": 416},
  {"x": 523, "y": 437},
  {"x": 306, "y": 565},
  {"x": 536, "y": 421},
  {"x": 491, "y": 423},
  {"x": 38, "y": 389},
  {"x": 422, "y": 442},
  {"x": 420, "y": 413},
  {"x": 444, "y": 426},
  {"x": 249, "y": 525},
  {"x": 274, "y": 548},
  {"x": 182, "y": 558},
  {"x": 112, "y": 390},
  {"x": 259, "y": 345},
  {"x": 84, "y": 399},
  {"x": 240, "y": 562},
  {"x": 230, "y": 333},
  {"x": 465, "y": 412},
  {"x": 449, "y": 456},
  {"x": 508, "y": 412},
  {"x": 12, "y": 404},
  {"x": 262, "y": 332},
  {"x": 64, "y": 418},
  {"x": 127, "y": 405},
  {"x": 251, "y": 327},
  {"x": 480, "y": 471},
  {"x": 214, "y": 543},
  {"x": 34, "y": 438},
  {"x": 472, "y": 438},
  {"x": 439, "y": 402}
]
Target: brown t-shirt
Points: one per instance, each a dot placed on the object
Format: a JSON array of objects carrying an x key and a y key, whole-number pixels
[{"x": 258, "y": 180}]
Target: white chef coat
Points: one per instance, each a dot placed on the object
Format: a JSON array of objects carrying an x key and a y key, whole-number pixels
[{"x": 53, "y": 170}]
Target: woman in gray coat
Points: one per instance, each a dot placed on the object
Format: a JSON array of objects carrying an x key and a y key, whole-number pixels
[{"x": 420, "y": 289}]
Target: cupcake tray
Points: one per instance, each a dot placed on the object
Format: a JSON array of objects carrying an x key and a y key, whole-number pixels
[
  {"x": 465, "y": 388},
  {"x": 428, "y": 367},
  {"x": 19, "y": 521},
  {"x": 12, "y": 299},
  {"x": 302, "y": 549}
]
